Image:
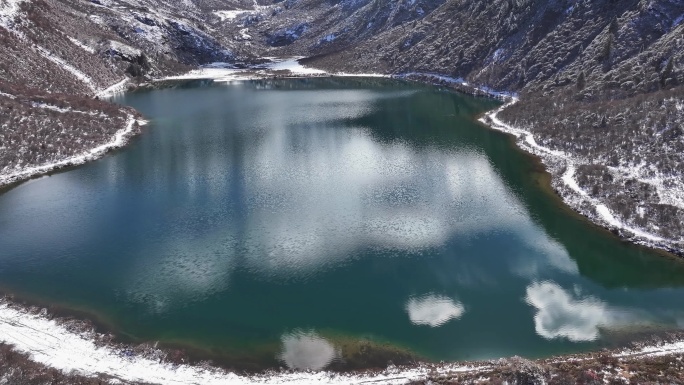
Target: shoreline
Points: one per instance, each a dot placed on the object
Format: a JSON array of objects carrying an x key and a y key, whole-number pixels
[
  {"x": 74, "y": 347},
  {"x": 561, "y": 166},
  {"x": 120, "y": 139}
]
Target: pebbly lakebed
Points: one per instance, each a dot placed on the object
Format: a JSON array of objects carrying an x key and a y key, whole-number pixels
[{"x": 328, "y": 223}]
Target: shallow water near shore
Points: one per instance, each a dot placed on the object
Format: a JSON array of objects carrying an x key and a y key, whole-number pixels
[{"x": 328, "y": 223}]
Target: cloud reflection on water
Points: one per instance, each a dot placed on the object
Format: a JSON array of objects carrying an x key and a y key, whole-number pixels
[
  {"x": 342, "y": 190},
  {"x": 312, "y": 191},
  {"x": 433, "y": 310},
  {"x": 304, "y": 350},
  {"x": 560, "y": 314}
]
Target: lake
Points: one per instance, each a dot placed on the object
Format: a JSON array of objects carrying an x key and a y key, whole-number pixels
[{"x": 328, "y": 223}]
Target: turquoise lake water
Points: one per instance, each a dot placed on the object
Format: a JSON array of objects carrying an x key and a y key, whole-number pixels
[{"x": 328, "y": 223}]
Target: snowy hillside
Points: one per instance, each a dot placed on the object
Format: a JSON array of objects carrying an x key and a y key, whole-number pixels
[{"x": 59, "y": 55}]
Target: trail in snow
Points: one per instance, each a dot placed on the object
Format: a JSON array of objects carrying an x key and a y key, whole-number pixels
[
  {"x": 77, "y": 43},
  {"x": 68, "y": 67},
  {"x": 9, "y": 10},
  {"x": 671, "y": 194},
  {"x": 64, "y": 110},
  {"x": 602, "y": 210}
]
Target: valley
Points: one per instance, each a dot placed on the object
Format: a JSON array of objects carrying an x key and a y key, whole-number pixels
[{"x": 593, "y": 89}]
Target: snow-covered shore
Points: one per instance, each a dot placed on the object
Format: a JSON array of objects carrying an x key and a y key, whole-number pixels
[
  {"x": 73, "y": 349},
  {"x": 562, "y": 166},
  {"x": 275, "y": 66},
  {"x": 119, "y": 140},
  {"x": 220, "y": 73},
  {"x": 77, "y": 349},
  {"x": 113, "y": 90}
]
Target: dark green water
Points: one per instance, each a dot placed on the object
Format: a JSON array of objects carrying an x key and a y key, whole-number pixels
[{"x": 304, "y": 222}]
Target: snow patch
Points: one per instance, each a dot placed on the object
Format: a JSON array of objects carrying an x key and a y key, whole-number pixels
[
  {"x": 293, "y": 65},
  {"x": 124, "y": 49},
  {"x": 655, "y": 350},
  {"x": 670, "y": 189},
  {"x": 244, "y": 35},
  {"x": 361, "y": 75},
  {"x": 9, "y": 9},
  {"x": 329, "y": 38},
  {"x": 113, "y": 90},
  {"x": 230, "y": 15},
  {"x": 497, "y": 55},
  {"x": 220, "y": 73}
]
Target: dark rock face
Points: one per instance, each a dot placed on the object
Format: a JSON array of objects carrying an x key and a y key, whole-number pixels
[
  {"x": 288, "y": 36},
  {"x": 193, "y": 46}
]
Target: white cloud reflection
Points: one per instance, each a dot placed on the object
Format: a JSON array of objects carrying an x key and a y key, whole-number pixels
[
  {"x": 303, "y": 350},
  {"x": 562, "y": 315},
  {"x": 317, "y": 192},
  {"x": 340, "y": 190},
  {"x": 433, "y": 310}
]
